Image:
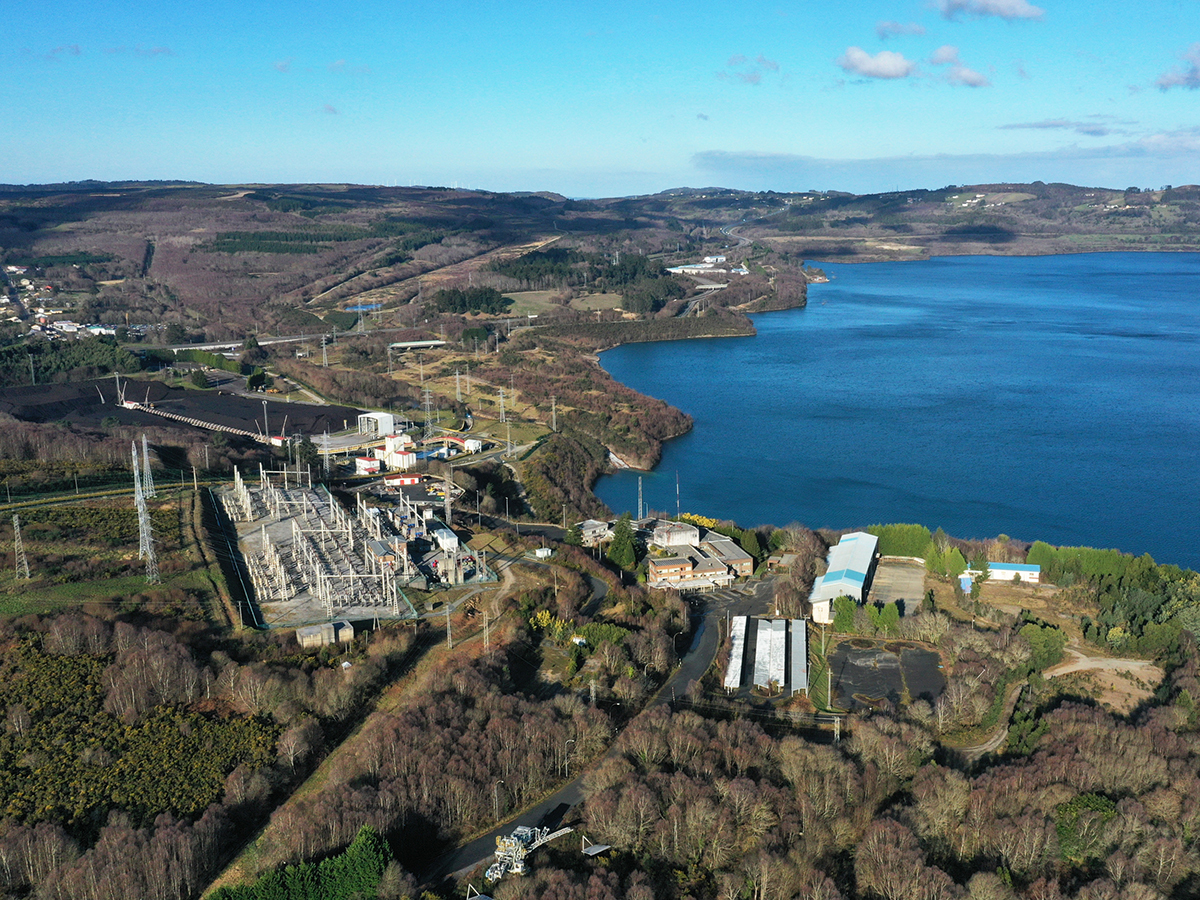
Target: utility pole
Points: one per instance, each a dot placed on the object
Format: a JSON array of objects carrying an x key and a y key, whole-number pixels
[
  {"x": 449, "y": 639},
  {"x": 554, "y": 414}
]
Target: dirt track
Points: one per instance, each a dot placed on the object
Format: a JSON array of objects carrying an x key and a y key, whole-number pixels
[{"x": 1139, "y": 668}]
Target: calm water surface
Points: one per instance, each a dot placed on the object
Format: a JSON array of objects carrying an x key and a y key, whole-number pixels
[{"x": 1053, "y": 398}]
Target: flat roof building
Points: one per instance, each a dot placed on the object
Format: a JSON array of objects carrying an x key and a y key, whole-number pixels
[{"x": 740, "y": 563}]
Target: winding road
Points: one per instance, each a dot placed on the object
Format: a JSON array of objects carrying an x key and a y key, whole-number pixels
[
  {"x": 1079, "y": 662},
  {"x": 695, "y": 662}
]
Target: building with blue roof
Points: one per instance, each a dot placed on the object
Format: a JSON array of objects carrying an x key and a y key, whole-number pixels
[{"x": 850, "y": 569}]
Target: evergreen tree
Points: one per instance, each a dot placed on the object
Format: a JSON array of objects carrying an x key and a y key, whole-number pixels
[
  {"x": 750, "y": 544},
  {"x": 843, "y": 615},
  {"x": 889, "y": 618},
  {"x": 955, "y": 563},
  {"x": 622, "y": 551},
  {"x": 574, "y": 537},
  {"x": 934, "y": 563},
  {"x": 308, "y": 454}
]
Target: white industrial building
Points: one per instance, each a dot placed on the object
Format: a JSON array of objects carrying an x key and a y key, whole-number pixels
[
  {"x": 851, "y": 566},
  {"x": 397, "y": 452},
  {"x": 675, "y": 534},
  {"x": 376, "y": 423}
]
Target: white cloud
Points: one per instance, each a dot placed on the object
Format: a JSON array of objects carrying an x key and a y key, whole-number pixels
[
  {"x": 1153, "y": 159},
  {"x": 1091, "y": 129},
  {"x": 1188, "y": 76},
  {"x": 885, "y": 30},
  {"x": 884, "y": 64},
  {"x": 1004, "y": 9},
  {"x": 753, "y": 70},
  {"x": 947, "y": 53},
  {"x": 967, "y": 77}
]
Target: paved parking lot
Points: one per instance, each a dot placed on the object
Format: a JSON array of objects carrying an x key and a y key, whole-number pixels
[
  {"x": 895, "y": 580},
  {"x": 749, "y": 599}
]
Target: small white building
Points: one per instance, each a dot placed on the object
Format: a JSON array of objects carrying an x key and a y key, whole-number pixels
[
  {"x": 366, "y": 465},
  {"x": 377, "y": 423},
  {"x": 675, "y": 534},
  {"x": 311, "y": 636},
  {"x": 593, "y": 532},
  {"x": 1030, "y": 574},
  {"x": 446, "y": 539}
]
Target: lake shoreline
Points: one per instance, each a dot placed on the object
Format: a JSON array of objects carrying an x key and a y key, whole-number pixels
[{"x": 1044, "y": 505}]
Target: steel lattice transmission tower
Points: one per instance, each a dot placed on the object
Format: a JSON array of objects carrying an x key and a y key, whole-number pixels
[
  {"x": 145, "y": 531},
  {"x": 147, "y": 478},
  {"x": 19, "y": 549}
]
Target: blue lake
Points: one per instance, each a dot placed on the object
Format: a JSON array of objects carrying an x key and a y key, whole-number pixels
[{"x": 1053, "y": 398}]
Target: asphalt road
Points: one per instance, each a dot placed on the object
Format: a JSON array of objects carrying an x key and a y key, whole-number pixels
[{"x": 707, "y": 611}]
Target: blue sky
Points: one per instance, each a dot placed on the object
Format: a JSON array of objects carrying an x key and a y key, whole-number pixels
[{"x": 611, "y": 99}]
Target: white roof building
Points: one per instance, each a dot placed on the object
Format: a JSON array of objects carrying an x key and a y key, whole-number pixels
[{"x": 851, "y": 565}]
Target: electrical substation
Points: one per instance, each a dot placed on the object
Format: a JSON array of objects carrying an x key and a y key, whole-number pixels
[{"x": 310, "y": 559}]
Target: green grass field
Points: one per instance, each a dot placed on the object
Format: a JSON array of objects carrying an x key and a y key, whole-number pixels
[{"x": 535, "y": 303}]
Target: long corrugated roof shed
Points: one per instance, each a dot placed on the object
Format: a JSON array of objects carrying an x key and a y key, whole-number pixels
[
  {"x": 778, "y": 651},
  {"x": 737, "y": 655},
  {"x": 762, "y": 654},
  {"x": 799, "y": 680}
]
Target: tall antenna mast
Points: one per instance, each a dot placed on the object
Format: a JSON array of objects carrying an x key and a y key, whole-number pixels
[
  {"x": 19, "y": 549},
  {"x": 677, "y": 512},
  {"x": 147, "y": 478},
  {"x": 428, "y": 415},
  {"x": 639, "y": 496}
]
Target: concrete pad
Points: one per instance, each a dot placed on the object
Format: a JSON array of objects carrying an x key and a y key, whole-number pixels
[{"x": 895, "y": 580}]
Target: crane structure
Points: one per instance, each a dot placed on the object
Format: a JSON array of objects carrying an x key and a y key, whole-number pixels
[{"x": 512, "y": 850}]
